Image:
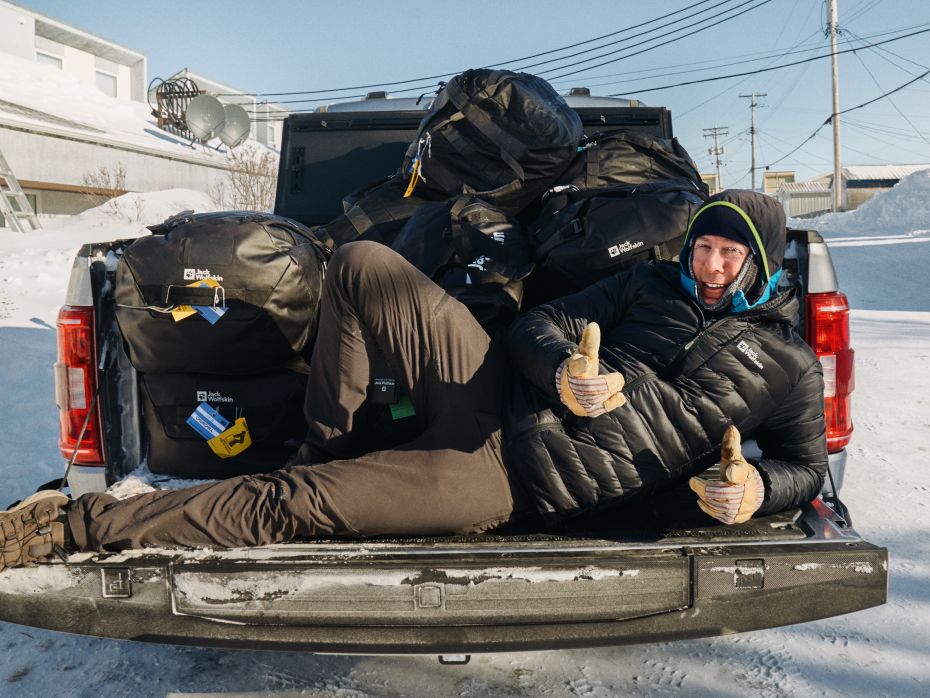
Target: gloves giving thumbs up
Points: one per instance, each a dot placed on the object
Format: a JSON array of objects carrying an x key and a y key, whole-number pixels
[
  {"x": 580, "y": 388},
  {"x": 739, "y": 494}
]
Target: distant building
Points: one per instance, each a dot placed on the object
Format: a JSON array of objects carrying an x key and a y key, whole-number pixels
[
  {"x": 710, "y": 179},
  {"x": 804, "y": 198},
  {"x": 859, "y": 184},
  {"x": 771, "y": 181},
  {"x": 267, "y": 117},
  {"x": 115, "y": 70},
  {"x": 862, "y": 182}
]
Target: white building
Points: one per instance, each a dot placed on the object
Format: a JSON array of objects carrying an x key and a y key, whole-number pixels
[
  {"x": 74, "y": 115},
  {"x": 115, "y": 70}
]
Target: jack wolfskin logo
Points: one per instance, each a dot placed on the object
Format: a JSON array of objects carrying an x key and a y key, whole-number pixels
[
  {"x": 211, "y": 396},
  {"x": 200, "y": 275},
  {"x": 750, "y": 353},
  {"x": 623, "y": 248}
]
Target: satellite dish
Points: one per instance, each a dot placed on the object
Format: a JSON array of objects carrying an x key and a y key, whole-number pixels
[
  {"x": 237, "y": 126},
  {"x": 204, "y": 116}
]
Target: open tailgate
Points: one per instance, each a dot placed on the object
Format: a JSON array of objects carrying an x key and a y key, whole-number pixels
[{"x": 452, "y": 596}]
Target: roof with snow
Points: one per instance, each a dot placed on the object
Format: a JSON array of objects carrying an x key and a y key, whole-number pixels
[
  {"x": 875, "y": 172},
  {"x": 42, "y": 99},
  {"x": 810, "y": 186}
]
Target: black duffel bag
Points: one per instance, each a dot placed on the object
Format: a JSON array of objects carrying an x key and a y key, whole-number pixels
[
  {"x": 375, "y": 212},
  {"x": 267, "y": 276},
  {"x": 629, "y": 157},
  {"x": 475, "y": 251},
  {"x": 502, "y": 135},
  {"x": 584, "y": 236},
  {"x": 271, "y": 405}
]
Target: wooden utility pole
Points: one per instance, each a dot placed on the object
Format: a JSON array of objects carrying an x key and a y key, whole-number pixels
[
  {"x": 837, "y": 174},
  {"x": 752, "y": 130},
  {"x": 716, "y": 151}
]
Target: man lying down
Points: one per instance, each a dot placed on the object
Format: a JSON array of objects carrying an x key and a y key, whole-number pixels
[{"x": 624, "y": 389}]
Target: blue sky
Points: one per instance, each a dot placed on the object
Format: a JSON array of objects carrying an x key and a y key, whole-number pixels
[{"x": 278, "y": 46}]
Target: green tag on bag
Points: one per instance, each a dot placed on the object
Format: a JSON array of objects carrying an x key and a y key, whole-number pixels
[{"x": 402, "y": 408}]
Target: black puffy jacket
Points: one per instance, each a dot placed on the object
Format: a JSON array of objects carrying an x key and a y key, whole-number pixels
[{"x": 687, "y": 378}]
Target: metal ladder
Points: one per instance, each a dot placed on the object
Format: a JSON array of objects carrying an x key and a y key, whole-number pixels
[{"x": 14, "y": 206}]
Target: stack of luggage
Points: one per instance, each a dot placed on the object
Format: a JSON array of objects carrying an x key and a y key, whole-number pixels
[
  {"x": 218, "y": 315},
  {"x": 501, "y": 200}
]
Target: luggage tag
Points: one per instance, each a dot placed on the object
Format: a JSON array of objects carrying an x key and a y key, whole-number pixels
[
  {"x": 213, "y": 313},
  {"x": 233, "y": 441},
  {"x": 224, "y": 440},
  {"x": 210, "y": 314},
  {"x": 207, "y": 422}
]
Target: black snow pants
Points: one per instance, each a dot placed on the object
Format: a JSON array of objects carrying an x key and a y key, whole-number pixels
[{"x": 449, "y": 479}]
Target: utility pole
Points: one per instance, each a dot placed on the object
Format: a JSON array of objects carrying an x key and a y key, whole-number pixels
[
  {"x": 752, "y": 130},
  {"x": 716, "y": 151},
  {"x": 837, "y": 176}
]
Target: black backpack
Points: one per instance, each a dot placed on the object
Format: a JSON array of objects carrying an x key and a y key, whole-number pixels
[
  {"x": 475, "y": 251},
  {"x": 264, "y": 270},
  {"x": 629, "y": 157},
  {"x": 375, "y": 212},
  {"x": 586, "y": 235},
  {"x": 501, "y": 135}
]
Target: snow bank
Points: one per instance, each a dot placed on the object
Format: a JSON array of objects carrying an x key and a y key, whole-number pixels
[
  {"x": 904, "y": 209},
  {"x": 122, "y": 217}
]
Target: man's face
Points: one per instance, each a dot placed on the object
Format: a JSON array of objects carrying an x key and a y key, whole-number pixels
[{"x": 716, "y": 262}]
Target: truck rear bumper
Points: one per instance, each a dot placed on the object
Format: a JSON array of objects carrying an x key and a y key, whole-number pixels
[{"x": 385, "y": 599}]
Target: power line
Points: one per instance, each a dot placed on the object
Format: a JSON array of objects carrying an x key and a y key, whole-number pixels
[
  {"x": 650, "y": 48},
  {"x": 829, "y": 119},
  {"x": 767, "y": 70},
  {"x": 420, "y": 88},
  {"x": 497, "y": 63},
  {"x": 715, "y": 8},
  {"x": 690, "y": 82}
]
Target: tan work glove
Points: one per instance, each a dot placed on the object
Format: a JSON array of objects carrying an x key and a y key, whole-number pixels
[
  {"x": 736, "y": 497},
  {"x": 580, "y": 387}
]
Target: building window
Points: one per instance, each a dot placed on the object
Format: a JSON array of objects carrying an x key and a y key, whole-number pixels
[
  {"x": 106, "y": 83},
  {"x": 48, "y": 59}
]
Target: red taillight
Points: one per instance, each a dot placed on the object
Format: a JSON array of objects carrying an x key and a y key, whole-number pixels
[
  {"x": 828, "y": 334},
  {"x": 76, "y": 385}
]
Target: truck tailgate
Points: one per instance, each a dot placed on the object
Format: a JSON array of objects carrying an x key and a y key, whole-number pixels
[{"x": 447, "y": 596}]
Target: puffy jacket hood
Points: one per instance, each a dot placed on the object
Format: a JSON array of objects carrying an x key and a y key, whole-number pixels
[{"x": 765, "y": 219}]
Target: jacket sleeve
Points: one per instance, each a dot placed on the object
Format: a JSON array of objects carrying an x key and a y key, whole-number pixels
[
  {"x": 542, "y": 338},
  {"x": 794, "y": 446}
]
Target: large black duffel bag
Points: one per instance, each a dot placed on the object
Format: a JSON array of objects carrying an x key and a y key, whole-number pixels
[
  {"x": 585, "y": 236},
  {"x": 629, "y": 157},
  {"x": 475, "y": 251},
  {"x": 266, "y": 271},
  {"x": 502, "y": 135},
  {"x": 271, "y": 405}
]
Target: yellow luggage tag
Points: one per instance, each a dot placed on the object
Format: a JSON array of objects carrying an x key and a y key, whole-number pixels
[
  {"x": 182, "y": 312},
  {"x": 233, "y": 441}
]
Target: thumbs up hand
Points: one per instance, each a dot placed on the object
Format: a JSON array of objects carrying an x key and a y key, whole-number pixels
[
  {"x": 580, "y": 388},
  {"x": 736, "y": 497}
]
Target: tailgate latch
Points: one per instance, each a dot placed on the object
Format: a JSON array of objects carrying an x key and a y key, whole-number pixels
[
  {"x": 117, "y": 583},
  {"x": 749, "y": 574}
]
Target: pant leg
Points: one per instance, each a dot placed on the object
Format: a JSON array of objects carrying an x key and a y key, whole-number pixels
[{"x": 451, "y": 479}]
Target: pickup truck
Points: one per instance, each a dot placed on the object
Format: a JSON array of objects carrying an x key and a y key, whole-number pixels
[{"x": 657, "y": 572}]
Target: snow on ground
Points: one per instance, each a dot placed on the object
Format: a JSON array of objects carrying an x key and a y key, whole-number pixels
[{"x": 881, "y": 651}]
